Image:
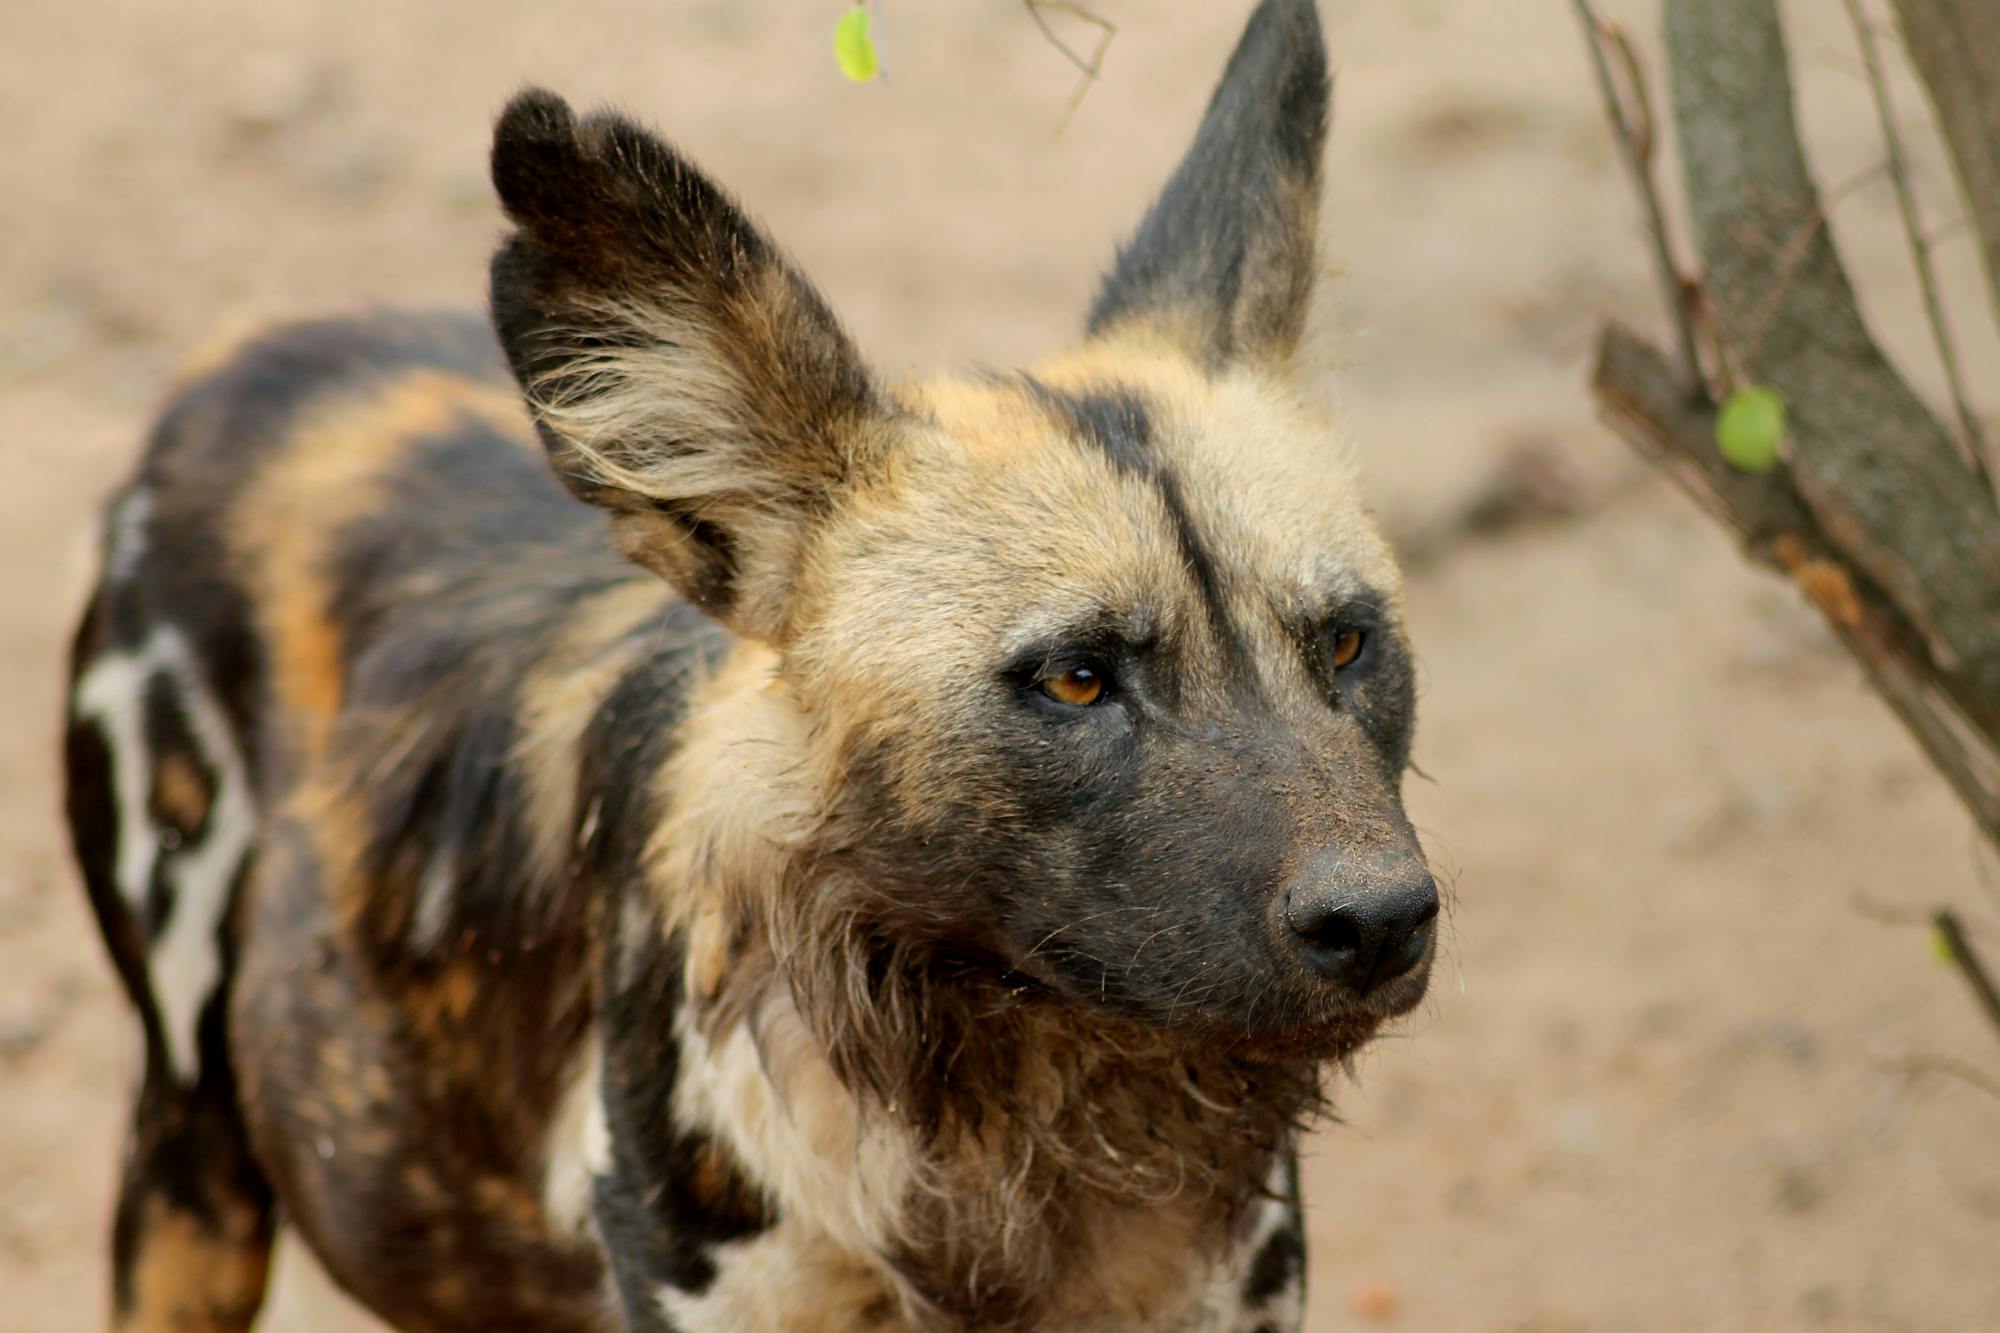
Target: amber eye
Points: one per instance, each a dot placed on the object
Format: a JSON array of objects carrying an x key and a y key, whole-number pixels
[
  {"x": 1346, "y": 647},
  {"x": 1077, "y": 686}
]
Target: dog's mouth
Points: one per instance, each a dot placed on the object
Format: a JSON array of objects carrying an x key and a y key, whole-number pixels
[
  {"x": 1286, "y": 1020},
  {"x": 1345, "y": 1028},
  {"x": 1314, "y": 1042}
]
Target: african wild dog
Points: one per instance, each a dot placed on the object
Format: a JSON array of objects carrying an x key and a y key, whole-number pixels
[{"x": 912, "y": 876}]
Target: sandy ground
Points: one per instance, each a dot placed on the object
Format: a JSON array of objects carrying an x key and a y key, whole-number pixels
[{"x": 1655, "y": 1087}]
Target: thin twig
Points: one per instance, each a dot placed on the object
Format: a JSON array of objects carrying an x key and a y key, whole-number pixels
[
  {"x": 1968, "y": 962},
  {"x": 1974, "y": 441},
  {"x": 1631, "y": 117},
  {"x": 1943, "y": 1064},
  {"x": 1091, "y": 67}
]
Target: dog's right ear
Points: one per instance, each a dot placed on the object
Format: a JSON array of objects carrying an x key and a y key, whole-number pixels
[
  {"x": 1223, "y": 262},
  {"x": 682, "y": 374}
]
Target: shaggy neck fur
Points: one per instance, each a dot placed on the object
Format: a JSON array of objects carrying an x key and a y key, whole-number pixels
[{"x": 1006, "y": 1158}]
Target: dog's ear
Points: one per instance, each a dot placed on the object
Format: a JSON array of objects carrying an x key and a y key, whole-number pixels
[
  {"x": 683, "y": 375},
  {"x": 1223, "y": 262}
]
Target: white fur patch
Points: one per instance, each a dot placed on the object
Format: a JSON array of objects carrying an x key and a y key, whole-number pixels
[
  {"x": 785, "y": 1280},
  {"x": 579, "y": 1144},
  {"x": 113, "y": 695},
  {"x": 1230, "y": 1309},
  {"x": 184, "y": 965},
  {"x": 767, "y": 1092},
  {"x": 434, "y": 900}
]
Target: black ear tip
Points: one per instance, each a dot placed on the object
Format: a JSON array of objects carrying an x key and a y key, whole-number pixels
[
  {"x": 1292, "y": 27},
  {"x": 1299, "y": 14},
  {"x": 534, "y": 114},
  {"x": 532, "y": 141}
]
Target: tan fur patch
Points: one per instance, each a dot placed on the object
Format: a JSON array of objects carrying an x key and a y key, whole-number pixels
[
  {"x": 181, "y": 795},
  {"x": 191, "y": 1279},
  {"x": 332, "y": 471}
]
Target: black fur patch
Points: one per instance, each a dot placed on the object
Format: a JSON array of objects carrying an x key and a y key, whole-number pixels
[
  {"x": 1113, "y": 417},
  {"x": 672, "y": 1196},
  {"x": 1379, "y": 689},
  {"x": 633, "y": 732},
  {"x": 1276, "y": 1267},
  {"x": 1202, "y": 566}
]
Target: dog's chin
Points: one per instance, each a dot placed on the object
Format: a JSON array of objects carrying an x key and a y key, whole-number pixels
[
  {"x": 1341, "y": 1030},
  {"x": 1318, "y": 1042},
  {"x": 1313, "y": 1024}
]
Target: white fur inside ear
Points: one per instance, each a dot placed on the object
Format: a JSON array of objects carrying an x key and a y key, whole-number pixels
[
  {"x": 663, "y": 414},
  {"x": 733, "y": 417}
]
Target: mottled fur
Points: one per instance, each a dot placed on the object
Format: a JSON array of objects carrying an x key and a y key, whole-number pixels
[{"x": 719, "y": 925}]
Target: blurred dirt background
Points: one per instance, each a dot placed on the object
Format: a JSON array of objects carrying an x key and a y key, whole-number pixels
[{"x": 1657, "y": 1086}]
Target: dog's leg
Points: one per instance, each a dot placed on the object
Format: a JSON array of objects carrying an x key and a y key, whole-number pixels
[
  {"x": 163, "y": 825},
  {"x": 192, "y": 1240}
]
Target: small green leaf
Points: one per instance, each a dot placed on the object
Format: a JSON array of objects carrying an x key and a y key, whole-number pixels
[
  {"x": 1751, "y": 427},
  {"x": 854, "y": 46},
  {"x": 1941, "y": 948}
]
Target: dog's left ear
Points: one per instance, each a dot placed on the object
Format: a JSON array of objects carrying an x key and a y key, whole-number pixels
[
  {"x": 683, "y": 374},
  {"x": 1223, "y": 262}
]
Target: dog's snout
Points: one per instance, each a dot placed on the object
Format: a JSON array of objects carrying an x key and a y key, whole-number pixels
[{"x": 1362, "y": 924}]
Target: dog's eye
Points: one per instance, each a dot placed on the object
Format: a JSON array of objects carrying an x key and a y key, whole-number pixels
[
  {"x": 1346, "y": 646},
  {"x": 1078, "y": 686}
]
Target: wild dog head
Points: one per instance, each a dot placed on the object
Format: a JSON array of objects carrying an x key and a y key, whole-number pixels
[{"x": 1105, "y": 658}]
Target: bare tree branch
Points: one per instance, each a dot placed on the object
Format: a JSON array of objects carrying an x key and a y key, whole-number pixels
[
  {"x": 1106, "y": 30},
  {"x": 1640, "y": 395},
  {"x": 1920, "y": 253},
  {"x": 1887, "y": 488}
]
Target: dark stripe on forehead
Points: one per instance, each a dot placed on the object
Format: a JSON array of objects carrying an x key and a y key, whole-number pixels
[
  {"x": 1202, "y": 566},
  {"x": 1111, "y": 417},
  {"x": 1117, "y": 420}
]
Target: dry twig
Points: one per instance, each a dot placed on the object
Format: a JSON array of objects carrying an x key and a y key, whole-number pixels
[
  {"x": 1920, "y": 253},
  {"x": 1091, "y": 67},
  {"x": 1630, "y": 111}
]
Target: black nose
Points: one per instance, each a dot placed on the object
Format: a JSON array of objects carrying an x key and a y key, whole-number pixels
[{"x": 1361, "y": 924}]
